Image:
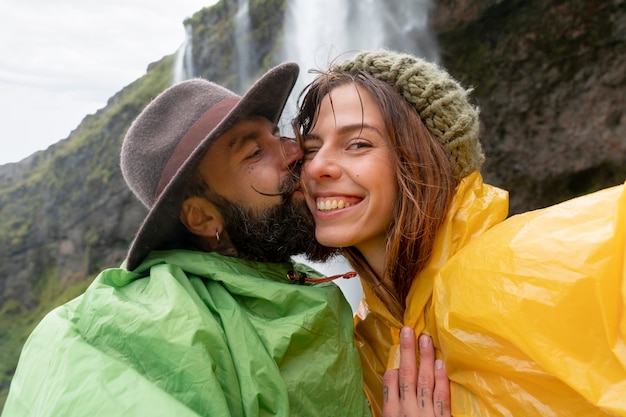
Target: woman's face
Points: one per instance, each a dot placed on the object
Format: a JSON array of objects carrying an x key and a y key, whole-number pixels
[{"x": 349, "y": 175}]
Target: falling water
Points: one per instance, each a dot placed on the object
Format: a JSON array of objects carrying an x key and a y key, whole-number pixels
[
  {"x": 317, "y": 32},
  {"x": 242, "y": 43},
  {"x": 183, "y": 61},
  {"x": 183, "y": 64}
]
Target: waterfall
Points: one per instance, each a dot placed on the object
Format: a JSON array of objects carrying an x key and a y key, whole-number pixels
[
  {"x": 320, "y": 31},
  {"x": 242, "y": 44},
  {"x": 317, "y": 32},
  {"x": 183, "y": 60}
]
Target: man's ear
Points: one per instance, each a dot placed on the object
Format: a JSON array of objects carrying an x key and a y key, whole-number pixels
[{"x": 201, "y": 217}]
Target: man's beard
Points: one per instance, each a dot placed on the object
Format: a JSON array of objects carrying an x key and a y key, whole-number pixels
[{"x": 273, "y": 234}]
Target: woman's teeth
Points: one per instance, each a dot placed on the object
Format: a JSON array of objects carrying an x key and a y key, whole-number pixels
[{"x": 325, "y": 205}]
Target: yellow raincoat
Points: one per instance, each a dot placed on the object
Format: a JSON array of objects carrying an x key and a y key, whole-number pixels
[{"x": 529, "y": 316}]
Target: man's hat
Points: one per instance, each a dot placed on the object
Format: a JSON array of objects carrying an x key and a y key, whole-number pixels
[{"x": 167, "y": 141}]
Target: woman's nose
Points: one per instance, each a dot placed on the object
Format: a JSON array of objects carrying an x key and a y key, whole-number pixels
[{"x": 322, "y": 165}]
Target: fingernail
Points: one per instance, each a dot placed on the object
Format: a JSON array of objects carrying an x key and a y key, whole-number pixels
[
  {"x": 424, "y": 340},
  {"x": 438, "y": 364},
  {"x": 405, "y": 332}
]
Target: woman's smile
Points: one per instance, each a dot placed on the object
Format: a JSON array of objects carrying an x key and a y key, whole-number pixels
[{"x": 335, "y": 203}]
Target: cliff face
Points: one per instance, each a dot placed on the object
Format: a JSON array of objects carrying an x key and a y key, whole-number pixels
[
  {"x": 216, "y": 56},
  {"x": 66, "y": 213},
  {"x": 549, "y": 76}
]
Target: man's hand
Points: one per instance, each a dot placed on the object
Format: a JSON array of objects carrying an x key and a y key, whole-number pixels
[{"x": 408, "y": 392}]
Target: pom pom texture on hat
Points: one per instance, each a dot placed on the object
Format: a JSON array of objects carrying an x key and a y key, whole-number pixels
[{"x": 440, "y": 101}]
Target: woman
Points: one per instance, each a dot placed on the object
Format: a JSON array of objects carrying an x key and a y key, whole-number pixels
[{"x": 391, "y": 174}]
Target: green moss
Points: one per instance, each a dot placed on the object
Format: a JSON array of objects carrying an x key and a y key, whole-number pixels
[
  {"x": 62, "y": 183},
  {"x": 16, "y": 323}
]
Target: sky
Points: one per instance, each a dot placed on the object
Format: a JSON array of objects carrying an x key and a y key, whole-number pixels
[{"x": 61, "y": 60}]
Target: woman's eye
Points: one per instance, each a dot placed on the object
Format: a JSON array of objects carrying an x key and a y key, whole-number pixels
[
  {"x": 309, "y": 152},
  {"x": 358, "y": 144},
  {"x": 310, "y": 147}
]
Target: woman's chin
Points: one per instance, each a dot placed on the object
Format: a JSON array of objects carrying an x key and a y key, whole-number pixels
[{"x": 331, "y": 240}]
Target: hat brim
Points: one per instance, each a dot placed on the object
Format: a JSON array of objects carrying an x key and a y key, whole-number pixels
[{"x": 267, "y": 97}]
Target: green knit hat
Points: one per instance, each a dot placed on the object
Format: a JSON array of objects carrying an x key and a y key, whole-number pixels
[{"x": 440, "y": 101}]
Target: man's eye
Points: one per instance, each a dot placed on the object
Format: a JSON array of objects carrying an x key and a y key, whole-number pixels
[{"x": 256, "y": 153}]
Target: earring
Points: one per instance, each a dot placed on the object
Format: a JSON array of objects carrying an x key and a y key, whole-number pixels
[{"x": 217, "y": 236}]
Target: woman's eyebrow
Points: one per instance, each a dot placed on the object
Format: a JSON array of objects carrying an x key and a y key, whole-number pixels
[
  {"x": 347, "y": 129},
  {"x": 310, "y": 136},
  {"x": 358, "y": 126}
]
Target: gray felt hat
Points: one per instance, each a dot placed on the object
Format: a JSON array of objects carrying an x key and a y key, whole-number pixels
[{"x": 171, "y": 135}]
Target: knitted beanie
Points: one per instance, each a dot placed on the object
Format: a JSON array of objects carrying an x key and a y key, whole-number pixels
[{"x": 440, "y": 101}]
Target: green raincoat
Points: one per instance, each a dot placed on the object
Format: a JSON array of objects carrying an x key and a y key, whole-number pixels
[{"x": 193, "y": 334}]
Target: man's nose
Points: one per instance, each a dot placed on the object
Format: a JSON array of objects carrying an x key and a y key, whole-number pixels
[{"x": 291, "y": 150}]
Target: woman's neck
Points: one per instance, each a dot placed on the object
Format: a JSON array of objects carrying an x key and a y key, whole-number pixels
[
  {"x": 378, "y": 281},
  {"x": 375, "y": 255}
]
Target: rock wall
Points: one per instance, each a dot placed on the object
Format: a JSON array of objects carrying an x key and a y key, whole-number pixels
[
  {"x": 550, "y": 79},
  {"x": 66, "y": 212}
]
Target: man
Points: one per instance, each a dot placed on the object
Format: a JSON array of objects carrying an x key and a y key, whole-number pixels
[{"x": 203, "y": 318}]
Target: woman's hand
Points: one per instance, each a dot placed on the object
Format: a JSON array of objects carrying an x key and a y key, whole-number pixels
[{"x": 408, "y": 392}]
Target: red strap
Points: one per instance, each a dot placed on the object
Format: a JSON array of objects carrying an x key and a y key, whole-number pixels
[
  {"x": 303, "y": 278},
  {"x": 196, "y": 133}
]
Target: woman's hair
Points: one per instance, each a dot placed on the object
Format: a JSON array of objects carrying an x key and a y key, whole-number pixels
[{"x": 425, "y": 181}]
